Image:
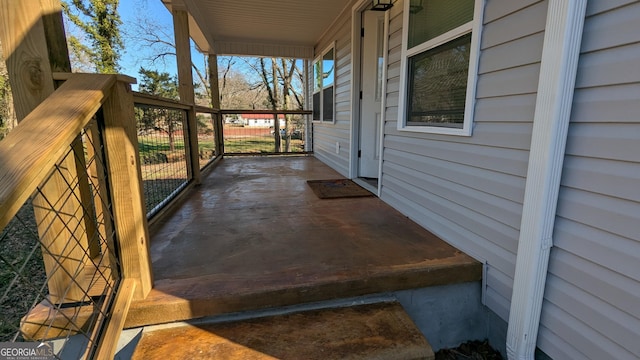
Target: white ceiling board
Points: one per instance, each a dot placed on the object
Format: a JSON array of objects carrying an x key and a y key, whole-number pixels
[{"x": 276, "y": 24}]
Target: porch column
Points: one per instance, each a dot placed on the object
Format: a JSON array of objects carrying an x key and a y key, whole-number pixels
[
  {"x": 60, "y": 62},
  {"x": 55, "y": 36},
  {"x": 308, "y": 132},
  {"x": 185, "y": 87},
  {"x": 214, "y": 84},
  {"x": 26, "y": 54},
  {"x": 34, "y": 44}
]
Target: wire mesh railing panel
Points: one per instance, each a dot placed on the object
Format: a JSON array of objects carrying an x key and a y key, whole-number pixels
[
  {"x": 59, "y": 269},
  {"x": 256, "y": 134},
  {"x": 206, "y": 138},
  {"x": 163, "y": 154},
  {"x": 22, "y": 275}
]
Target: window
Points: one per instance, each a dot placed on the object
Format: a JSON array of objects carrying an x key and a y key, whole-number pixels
[
  {"x": 323, "y": 86},
  {"x": 439, "y": 63}
]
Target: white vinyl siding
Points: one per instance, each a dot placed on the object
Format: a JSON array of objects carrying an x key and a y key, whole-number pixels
[
  {"x": 327, "y": 134},
  {"x": 469, "y": 190},
  {"x": 593, "y": 288}
]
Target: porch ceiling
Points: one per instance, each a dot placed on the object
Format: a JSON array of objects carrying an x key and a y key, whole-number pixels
[{"x": 284, "y": 28}]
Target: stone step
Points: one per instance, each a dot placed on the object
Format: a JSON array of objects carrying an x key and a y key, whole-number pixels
[{"x": 371, "y": 331}]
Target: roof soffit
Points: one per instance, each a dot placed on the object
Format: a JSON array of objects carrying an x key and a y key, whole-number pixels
[{"x": 272, "y": 24}]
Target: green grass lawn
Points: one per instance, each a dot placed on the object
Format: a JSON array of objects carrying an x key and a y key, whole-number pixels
[
  {"x": 148, "y": 145},
  {"x": 258, "y": 145}
]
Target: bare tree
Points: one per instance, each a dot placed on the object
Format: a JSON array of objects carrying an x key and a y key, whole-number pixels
[
  {"x": 279, "y": 82},
  {"x": 236, "y": 92},
  {"x": 161, "y": 40}
]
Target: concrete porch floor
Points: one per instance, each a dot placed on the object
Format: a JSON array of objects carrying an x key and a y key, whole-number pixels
[{"x": 255, "y": 236}]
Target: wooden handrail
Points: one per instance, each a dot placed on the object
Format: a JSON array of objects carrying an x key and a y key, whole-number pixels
[
  {"x": 268, "y": 112},
  {"x": 204, "y": 109},
  {"x": 153, "y": 100},
  {"x": 30, "y": 151},
  {"x": 64, "y": 76},
  {"x": 28, "y": 155}
]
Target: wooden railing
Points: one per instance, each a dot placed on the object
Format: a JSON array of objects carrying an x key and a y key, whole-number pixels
[
  {"x": 43, "y": 160},
  {"x": 176, "y": 143},
  {"x": 82, "y": 193}
]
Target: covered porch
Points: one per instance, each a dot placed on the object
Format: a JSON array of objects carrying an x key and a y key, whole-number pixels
[
  {"x": 255, "y": 236},
  {"x": 244, "y": 235}
]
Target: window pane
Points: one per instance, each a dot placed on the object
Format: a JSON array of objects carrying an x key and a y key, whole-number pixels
[
  {"x": 327, "y": 69},
  {"x": 438, "y": 85},
  {"x": 380, "y": 66},
  {"x": 436, "y": 17},
  {"x": 327, "y": 104}
]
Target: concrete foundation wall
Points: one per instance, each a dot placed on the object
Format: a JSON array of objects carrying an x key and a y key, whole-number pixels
[{"x": 452, "y": 314}]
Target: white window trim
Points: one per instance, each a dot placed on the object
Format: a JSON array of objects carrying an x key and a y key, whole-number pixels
[
  {"x": 475, "y": 27},
  {"x": 313, "y": 87}
]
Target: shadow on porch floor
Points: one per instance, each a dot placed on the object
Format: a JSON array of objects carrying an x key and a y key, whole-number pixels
[{"x": 254, "y": 236}]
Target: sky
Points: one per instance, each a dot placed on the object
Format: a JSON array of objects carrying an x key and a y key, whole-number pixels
[{"x": 134, "y": 54}]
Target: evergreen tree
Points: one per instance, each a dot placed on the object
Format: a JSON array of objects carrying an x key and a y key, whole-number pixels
[
  {"x": 158, "y": 83},
  {"x": 100, "y": 21},
  {"x": 159, "y": 119}
]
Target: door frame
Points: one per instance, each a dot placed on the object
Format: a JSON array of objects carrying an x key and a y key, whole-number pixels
[{"x": 356, "y": 66}]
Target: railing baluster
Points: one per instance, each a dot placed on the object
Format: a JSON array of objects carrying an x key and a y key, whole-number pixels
[
  {"x": 219, "y": 133},
  {"x": 86, "y": 199},
  {"x": 96, "y": 174},
  {"x": 191, "y": 145}
]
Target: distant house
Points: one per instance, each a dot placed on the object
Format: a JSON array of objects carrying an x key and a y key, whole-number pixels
[{"x": 262, "y": 120}]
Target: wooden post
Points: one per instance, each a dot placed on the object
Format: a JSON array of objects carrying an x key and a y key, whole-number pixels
[
  {"x": 125, "y": 180},
  {"x": 276, "y": 121},
  {"x": 109, "y": 342},
  {"x": 25, "y": 50},
  {"x": 214, "y": 84},
  {"x": 33, "y": 39},
  {"x": 96, "y": 176},
  {"x": 185, "y": 87},
  {"x": 308, "y": 128},
  {"x": 59, "y": 62},
  {"x": 55, "y": 36}
]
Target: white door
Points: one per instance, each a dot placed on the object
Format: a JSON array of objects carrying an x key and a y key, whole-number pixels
[{"x": 371, "y": 62}]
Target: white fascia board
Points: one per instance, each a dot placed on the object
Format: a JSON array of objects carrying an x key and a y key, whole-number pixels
[{"x": 560, "y": 54}]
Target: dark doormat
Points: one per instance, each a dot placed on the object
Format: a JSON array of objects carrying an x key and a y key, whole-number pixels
[{"x": 337, "y": 188}]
